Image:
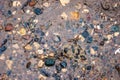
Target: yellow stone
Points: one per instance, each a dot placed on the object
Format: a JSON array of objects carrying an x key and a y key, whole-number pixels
[
  {"x": 22, "y": 31},
  {"x": 28, "y": 47},
  {"x": 75, "y": 15},
  {"x": 92, "y": 51},
  {"x": 51, "y": 54},
  {"x": 40, "y": 63},
  {"x": 36, "y": 45},
  {"x": 9, "y": 64}
]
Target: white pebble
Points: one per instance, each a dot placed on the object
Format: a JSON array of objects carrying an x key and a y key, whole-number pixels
[{"x": 64, "y": 2}]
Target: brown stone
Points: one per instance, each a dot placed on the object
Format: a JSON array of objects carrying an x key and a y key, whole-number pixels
[
  {"x": 9, "y": 27},
  {"x": 32, "y": 3}
]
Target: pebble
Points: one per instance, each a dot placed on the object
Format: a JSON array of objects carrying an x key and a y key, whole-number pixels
[
  {"x": 32, "y": 3},
  {"x": 115, "y": 28},
  {"x": 28, "y": 47},
  {"x": 49, "y": 62},
  {"x": 85, "y": 34},
  {"x": 63, "y": 64},
  {"x": 9, "y": 27},
  {"x": 64, "y": 16},
  {"x": 64, "y": 70},
  {"x": 9, "y": 64},
  {"x": 15, "y": 46},
  {"x": 75, "y": 15},
  {"x": 22, "y": 31},
  {"x": 2, "y": 49},
  {"x": 40, "y": 63},
  {"x": 58, "y": 68},
  {"x": 89, "y": 39},
  {"x": 64, "y": 2},
  {"x": 38, "y": 11},
  {"x": 45, "y": 73},
  {"x": 51, "y": 54},
  {"x": 36, "y": 45}
]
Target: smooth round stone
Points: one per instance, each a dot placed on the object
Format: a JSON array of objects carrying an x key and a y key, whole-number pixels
[
  {"x": 88, "y": 67},
  {"x": 49, "y": 62},
  {"x": 9, "y": 27},
  {"x": 63, "y": 64},
  {"x": 32, "y": 3},
  {"x": 38, "y": 11},
  {"x": 115, "y": 28}
]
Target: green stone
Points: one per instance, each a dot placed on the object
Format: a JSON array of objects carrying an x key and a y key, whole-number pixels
[{"x": 49, "y": 62}]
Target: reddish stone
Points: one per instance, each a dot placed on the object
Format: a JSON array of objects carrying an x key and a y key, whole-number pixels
[
  {"x": 9, "y": 27},
  {"x": 32, "y": 3}
]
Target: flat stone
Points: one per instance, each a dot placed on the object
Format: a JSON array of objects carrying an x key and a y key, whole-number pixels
[{"x": 49, "y": 62}]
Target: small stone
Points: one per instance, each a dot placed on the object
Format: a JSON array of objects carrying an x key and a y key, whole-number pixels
[
  {"x": 64, "y": 15},
  {"x": 9, "y": 72},
  {"x": 95, "y": 48},
  {"x": 41, "y": 56},
  {"x": 41, "y": 77},
  {"x": 9, "y": 27},
  {"x": 2, "y": 49},
  {"x": 57, "y": 39},
  {"x": 63, "y": 64},
  {"x": 88, "y": 67},
  {"x": 38, "y": 11},
  {"x": 115, "y": 28},
  {"x": 64, "y": 2},
  {"x": 40, "y": 51},
  {"x": 32, "y": 3},
  {"x": 58, "y": 68},
  {"x": 46, "y": 4},
  {"x": 49, "y": 62},
  {"x": 36, "y": 45},
  {"x": 28, "y": 65},
  {"x": 92, "y": 51},
  {"x": 15, "y": 46},
  {"x": 44, "y": 72},
  {"x": 51, "y": 54},
  {"x": 64, "y": 70},
  {"x": 2, "y": 57},
  {"x": 40, "y": 63},
  {"x": 28, "y": 47},
  {"x": 85, "y": 34},
  {"x": 22, "y": 31},
  {"x": 9, "y": 63},
  {"x": 102, "y": 43},
  {"x": 75, "y": 15},
  {"x": 89, "y": 39}
]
